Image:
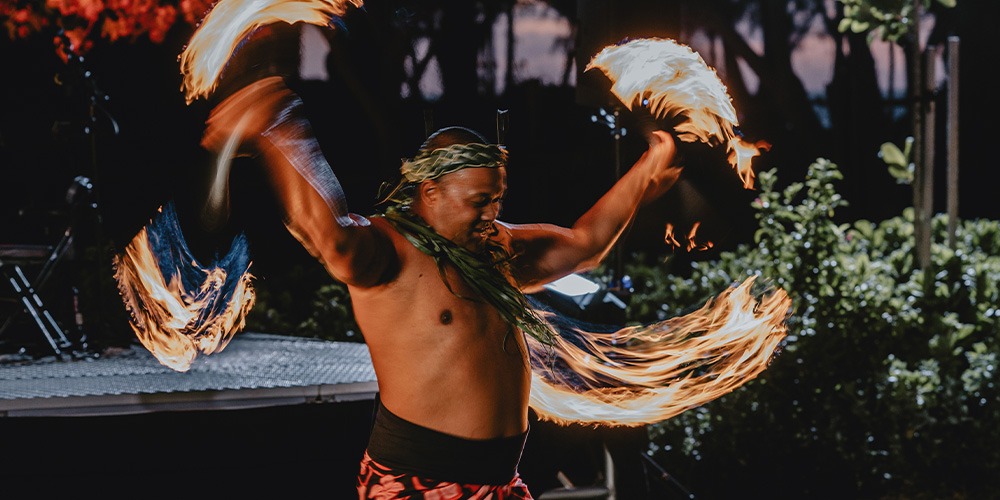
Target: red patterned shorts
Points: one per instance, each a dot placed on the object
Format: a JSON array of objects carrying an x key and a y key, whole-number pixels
[{"x": 376, "y": 481}]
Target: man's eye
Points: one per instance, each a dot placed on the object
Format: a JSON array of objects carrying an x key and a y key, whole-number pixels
[{"x": 482, "y": 202}]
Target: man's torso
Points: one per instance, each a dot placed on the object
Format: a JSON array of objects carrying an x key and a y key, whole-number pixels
[{"x": 443, "y": 361}]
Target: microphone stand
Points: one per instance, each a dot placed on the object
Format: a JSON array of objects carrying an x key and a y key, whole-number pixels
[
  {"x": 612, "y": 120},
  {"x": 95, "y": 100}
]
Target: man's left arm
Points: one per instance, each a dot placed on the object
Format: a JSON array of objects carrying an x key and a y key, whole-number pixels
[{"x": 545, "y": 252}]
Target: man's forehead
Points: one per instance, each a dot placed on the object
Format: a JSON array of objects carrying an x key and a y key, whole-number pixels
[{"x": 486, "y": 178}]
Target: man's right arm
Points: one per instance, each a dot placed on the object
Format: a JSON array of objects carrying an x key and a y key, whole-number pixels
[
  {"x": 268, "y": 117},
  {"x": 352, "y": 249}
]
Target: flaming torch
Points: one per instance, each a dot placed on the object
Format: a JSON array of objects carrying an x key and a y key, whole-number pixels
[
  {"x": 672, "y": 80},
  {"x": 633, "y": 376}
]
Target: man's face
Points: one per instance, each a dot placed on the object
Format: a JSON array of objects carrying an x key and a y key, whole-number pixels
[{"x": 466, "y": 203}]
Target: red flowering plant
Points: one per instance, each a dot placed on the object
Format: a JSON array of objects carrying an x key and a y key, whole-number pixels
[{"x": 79, "y": 22}]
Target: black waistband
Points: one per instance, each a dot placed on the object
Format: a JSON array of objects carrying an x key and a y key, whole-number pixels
[{"x": 408, "y": 447}]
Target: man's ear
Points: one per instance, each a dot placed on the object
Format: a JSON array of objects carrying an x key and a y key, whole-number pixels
[{"x": 428, "y": 191}]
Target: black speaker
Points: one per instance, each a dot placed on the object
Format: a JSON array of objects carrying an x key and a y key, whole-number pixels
[{"x": 606, "y": 22}]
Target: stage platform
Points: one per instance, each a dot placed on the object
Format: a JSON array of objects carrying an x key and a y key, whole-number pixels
[
  {"x": 268, "y": 413},
  {"x": 255, "y": 370}
]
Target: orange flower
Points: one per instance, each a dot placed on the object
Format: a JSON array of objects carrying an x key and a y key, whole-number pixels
[
  {"x": 113, "y": 19},
  {"x": 195, "y": 10},
  {"x": 78, "y": 37},
  {"x": 163, "y": 19},
  {"x": 21, "y": 16},
  {"x": 113, "y": 29}
]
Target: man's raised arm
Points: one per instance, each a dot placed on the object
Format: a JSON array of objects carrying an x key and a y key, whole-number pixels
[
  {"x": 545, "y": 252},
  {"x": 267, "y": 118}
]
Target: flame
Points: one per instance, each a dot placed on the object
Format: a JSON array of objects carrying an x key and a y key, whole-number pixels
[
  {"x": 641, "y": 375},
  {"x": 175, "y": 321},
  {"x": 741, "y": 153},
  {"x": 670, "y": 239},
  {"x": 230, "y": 21},
  {"x": 692, "y": 244},
  {"x": 673, "y": 80}
]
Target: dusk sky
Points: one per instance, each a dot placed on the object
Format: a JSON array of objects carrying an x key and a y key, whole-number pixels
[{"x": 538, "y": 29}]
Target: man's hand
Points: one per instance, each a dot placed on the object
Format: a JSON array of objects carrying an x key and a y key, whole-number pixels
[
  {"x": 243, "y": 116},
  {"x": 659, "y": 158}
]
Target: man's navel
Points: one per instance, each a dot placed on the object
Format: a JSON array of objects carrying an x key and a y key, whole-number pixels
[{"x": 446, "y": 317}]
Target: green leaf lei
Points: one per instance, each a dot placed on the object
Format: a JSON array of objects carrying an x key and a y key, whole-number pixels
[{"x": 488, "y": 277}]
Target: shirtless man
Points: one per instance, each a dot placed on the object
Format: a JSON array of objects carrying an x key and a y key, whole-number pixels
[{"x": 452, "y": 366}]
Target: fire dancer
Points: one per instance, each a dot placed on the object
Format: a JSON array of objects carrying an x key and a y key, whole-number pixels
[{"x": 438, "y": 284}]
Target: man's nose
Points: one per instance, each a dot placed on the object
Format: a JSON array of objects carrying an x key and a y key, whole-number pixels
[{"x": 491, "y": 211}]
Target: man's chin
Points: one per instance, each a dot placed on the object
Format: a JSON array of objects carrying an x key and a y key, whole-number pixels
[{"x": 476, "y": 243}]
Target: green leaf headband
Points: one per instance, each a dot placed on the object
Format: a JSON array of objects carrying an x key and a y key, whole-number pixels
[{"x": 433, "y": 164}]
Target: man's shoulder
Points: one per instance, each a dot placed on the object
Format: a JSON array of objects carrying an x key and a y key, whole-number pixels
[{"x": 404, "y": 249}]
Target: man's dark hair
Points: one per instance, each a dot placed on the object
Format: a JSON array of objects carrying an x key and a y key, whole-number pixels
[{"x": 452, "y": 135}]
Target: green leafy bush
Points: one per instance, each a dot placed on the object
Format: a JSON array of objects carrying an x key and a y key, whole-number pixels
[
  {"x": 305, "y": 302},
  {"x": 886, "y": 383}
]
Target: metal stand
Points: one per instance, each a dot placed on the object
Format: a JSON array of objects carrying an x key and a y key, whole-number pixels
[
  {"x": 13, "y": 259},
  {"x": 49, "y": 327},
  {"x": 619, "y": 282},
  {"x": 667, "y": 477},
  {"x": 98, "y": 117},
  {"x": 32, "y": 303}
]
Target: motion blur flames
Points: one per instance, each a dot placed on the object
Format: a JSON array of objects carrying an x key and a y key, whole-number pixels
[
  {"x": 672, "y": 80},
  {"x": 647, "y": 374},
  {"x": 228, "y": 24},
  {"x": 178, "y": 307}
]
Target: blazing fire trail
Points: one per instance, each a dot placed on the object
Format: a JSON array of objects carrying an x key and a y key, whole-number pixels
[{"x": 646, "y": 374}]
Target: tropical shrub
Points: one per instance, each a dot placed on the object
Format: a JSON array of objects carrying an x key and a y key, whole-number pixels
[
  {"x": 304, "y": 302},
  {"x": 885, "y": 386}
]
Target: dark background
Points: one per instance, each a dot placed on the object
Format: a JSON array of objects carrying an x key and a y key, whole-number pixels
[
  {"x": 298, "y": 451},
  {"x": 139, "y": 146}
]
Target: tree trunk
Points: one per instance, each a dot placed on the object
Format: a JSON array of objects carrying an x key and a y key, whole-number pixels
[{"x": 915, "y": 74}]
